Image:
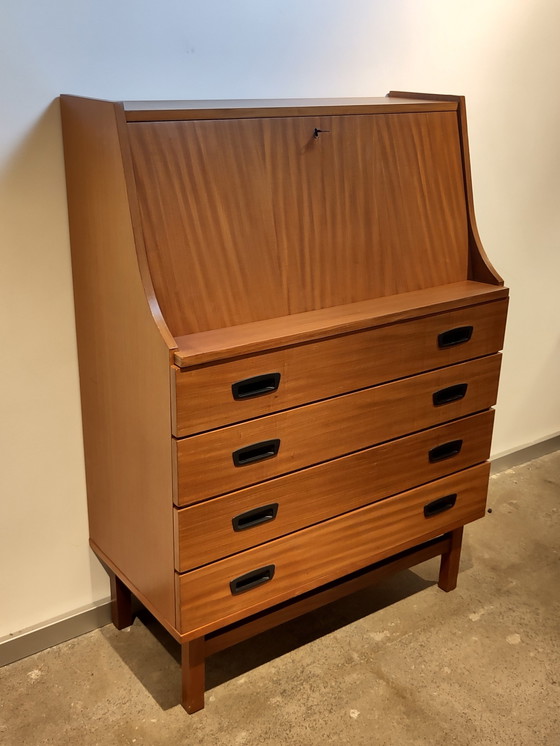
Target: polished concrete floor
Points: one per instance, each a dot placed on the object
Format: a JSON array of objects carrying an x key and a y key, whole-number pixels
[{"x": 400, "y": 664}]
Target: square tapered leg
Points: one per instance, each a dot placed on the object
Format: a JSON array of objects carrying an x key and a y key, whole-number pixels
[
  {"x": 449, "y": 568},
  {"x": 193, "y": 675},
  {"x": 121, "y": 603}
]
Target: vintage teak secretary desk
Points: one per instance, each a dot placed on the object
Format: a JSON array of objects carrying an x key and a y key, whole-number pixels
[{"x": 288, "y": 337}]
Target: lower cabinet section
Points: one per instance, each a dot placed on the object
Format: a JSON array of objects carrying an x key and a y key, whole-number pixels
[
  {"x": 230, "y": 589},
  {"x": 203, "y": 395},
  {"x": 232, "y": 457},
  {"x": 225, "y": 525}
]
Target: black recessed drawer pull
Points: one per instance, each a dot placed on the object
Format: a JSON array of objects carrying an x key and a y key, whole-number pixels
[
  {"x": 456, "y": 336},
  {"x": 256, "y": 452},
  {"x": 451, "y": 393},
  {"x": 252, "y": 579},
  {"x": 254, "y": 517},
  {"x": 445, "y": 450},
  {"x": 256, "y": 386},
  {"x": 439, "y": 505}
]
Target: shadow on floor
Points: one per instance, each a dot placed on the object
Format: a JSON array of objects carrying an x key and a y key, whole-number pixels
[{"x": 228, "y": 664}]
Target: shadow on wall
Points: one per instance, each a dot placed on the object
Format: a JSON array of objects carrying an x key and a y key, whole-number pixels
[
  {"x": 32, "y": 178},
  {"x": 42, "y": 464},
  {"x": 35, "y": 228}
]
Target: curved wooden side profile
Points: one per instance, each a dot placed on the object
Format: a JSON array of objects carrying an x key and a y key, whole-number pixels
[
  {"x": 124, "y": 357},
  {"x": 480, "y": 267},
  {"x": 140, "y": 244}
]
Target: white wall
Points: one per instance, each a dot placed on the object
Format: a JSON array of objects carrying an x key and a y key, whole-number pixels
[{"x": 502, "y": 54}]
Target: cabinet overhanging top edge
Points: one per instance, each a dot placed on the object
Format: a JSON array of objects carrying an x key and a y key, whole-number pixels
[
  {"x": 260, "y": 336},
  {"x": 145, "y": 111}
]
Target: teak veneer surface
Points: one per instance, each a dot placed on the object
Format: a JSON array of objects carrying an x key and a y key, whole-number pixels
[
  {"x": 204, "y": 400},
  {"x": 365, "y": 210},
  {"x": 331, "y": 428},
  {"x": 261, "y": 336},
  {"x": 480, "y": 266},
  {"x": 204, "y": 532},
  {"x": 147, "y": 111},
  {"x": 340, "y": 546},
  {"x": 125, "y": 416},
  {"x": 330, "y": 241},
  {"x": 326, "y": 594}
]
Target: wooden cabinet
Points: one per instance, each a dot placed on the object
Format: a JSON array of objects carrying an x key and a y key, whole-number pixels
[{"x": 288, "y": 338}]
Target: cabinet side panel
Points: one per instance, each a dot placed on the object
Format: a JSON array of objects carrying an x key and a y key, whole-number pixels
[
  {"x": 124, "y": 363},
  {"x": 480, "y": 267}
]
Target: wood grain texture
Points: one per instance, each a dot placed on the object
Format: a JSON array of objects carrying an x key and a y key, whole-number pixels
[
  {"x": 147, "y": 111},
  {"x": 121, "y": 602},
  {"x": 329, "y": 429},
  {"x": 227, "y": 238},
  {"x": 480, "y": 267},
  {"x": 194, "y": 651},
  {"x": 319, "y": 554},
  {"x": 204, "y": 532},
  {"x": 333, "y": 366},
  {"x": 193, "y": 675},
  {"x": 315, "y": 599},
  {"x": 449, "y": 567},
  {"x": 138, "y": 233},
  {"x": 126, "y": 419},
  {"x": 110, "y": 566},
  {"x": 356, "y": 208},
  {"x": 296, "y": 223},
  {"x": 210, "y": 235},
  {"x": 285, "y": 331}
]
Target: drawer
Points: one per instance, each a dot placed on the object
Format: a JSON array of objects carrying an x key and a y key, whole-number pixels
[
  {"x": 235, "y": 522},
  {"x": 204, "y": 397},
  {"x": 228, "y": 590},
  {"x": 206, "y": 464}
]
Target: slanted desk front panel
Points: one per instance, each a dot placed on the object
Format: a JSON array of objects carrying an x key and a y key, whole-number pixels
[{"x": 257, "y": 218}]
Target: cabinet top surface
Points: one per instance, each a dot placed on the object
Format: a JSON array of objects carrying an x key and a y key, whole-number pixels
[{"x": 158, "y": 110}]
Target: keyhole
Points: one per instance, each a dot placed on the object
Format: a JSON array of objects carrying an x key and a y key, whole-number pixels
[{"x": 317, "y": 132}]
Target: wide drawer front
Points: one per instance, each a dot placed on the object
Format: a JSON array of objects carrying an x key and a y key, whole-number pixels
[
  {"x": 273, "y": 381},
  {"x": 228, "y": 590},
  {"x": 235, "y": 522},
  {"x": 225, "y": 460}
]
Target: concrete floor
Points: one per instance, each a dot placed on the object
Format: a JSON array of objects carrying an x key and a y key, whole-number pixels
[{"x": 400, "y": 664}]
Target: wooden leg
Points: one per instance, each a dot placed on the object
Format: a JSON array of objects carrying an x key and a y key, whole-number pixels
[
  {"x": 449, "y": 568},
  {"x": 121, "y": 603},
  {"x": 193, "y": 674}
]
